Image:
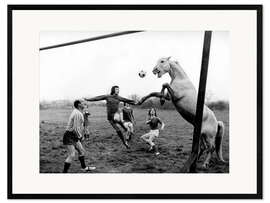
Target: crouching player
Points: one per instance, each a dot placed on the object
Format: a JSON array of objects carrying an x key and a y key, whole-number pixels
[
  {"x": 153, "y": 122},
  {"x": 72, "y": 138}
]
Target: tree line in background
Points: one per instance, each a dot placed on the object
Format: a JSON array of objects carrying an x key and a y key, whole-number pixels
[{"x": 152, "y": 102}]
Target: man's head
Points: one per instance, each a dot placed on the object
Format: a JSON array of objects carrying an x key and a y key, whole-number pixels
[
  {"x": 115, "y": 90},
  {"x": 126, "y": 105},
  {"x": 78, "y": 104}
]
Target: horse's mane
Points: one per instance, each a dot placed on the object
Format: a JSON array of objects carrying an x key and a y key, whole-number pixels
[
  {"x": 176, "y": 65},
  {"x": 175, "y": 62}
]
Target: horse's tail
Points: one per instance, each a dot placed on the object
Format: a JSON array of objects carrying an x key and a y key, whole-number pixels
[{"x": 218, "y": 140}]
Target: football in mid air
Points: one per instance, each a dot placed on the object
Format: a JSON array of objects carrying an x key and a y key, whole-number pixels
[{"x": 142, "y": 73}]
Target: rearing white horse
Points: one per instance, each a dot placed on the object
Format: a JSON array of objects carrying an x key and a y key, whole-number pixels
[{"x": 183, "y": 95}]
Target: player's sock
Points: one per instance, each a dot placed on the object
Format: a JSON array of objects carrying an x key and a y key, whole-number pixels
[
  {"x": 81, "y": 158},
  {"x": 66, "y": 167}
]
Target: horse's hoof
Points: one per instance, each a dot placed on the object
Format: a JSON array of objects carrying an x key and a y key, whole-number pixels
[
  {"x": 205, "y": 166},
  {"x": 162, "y": 101},
  {"x": 223, "y": 162}
]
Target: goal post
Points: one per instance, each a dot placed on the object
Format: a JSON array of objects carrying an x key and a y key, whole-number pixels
[{"x": 190, "y": 165}]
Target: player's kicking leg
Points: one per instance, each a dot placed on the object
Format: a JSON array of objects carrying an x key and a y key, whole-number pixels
[
  {"x": 119, "y": 133},
  {"x": 152, "y": 136},
  {"x": 145, "y": 138},
  {"x": 130, "y": 130}
]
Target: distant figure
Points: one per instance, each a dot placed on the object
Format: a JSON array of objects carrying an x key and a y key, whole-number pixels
[
  {"x": 72, "y": 137},
  {"x": 86, "y": 114},
  {"x": 128, "y": 120},
  {"x": 112, "y": 103},
  {"x": 153, "y": 122}
]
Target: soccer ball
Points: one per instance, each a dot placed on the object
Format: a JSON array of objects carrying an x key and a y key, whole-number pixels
[{"x": 142, "y": 73}]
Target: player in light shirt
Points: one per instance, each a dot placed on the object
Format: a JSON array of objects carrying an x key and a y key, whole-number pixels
[{"x": 72, "y": 138}]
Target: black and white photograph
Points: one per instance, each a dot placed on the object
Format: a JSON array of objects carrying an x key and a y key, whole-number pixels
[
  {"x": 125, "y": 101},
  {"x": 134, "y": 101}
]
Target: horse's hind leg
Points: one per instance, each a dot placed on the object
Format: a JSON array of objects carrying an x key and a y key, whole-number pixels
[
  {"x": 203, "y": 146},
  {"x": 210, "y": 148},
  {"x": 208, "y": 157},
  {"x": 218, "y": 141}
]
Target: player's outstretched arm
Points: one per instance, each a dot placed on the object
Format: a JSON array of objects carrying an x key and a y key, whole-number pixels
[
  {"x": 98, "y": 98},
  {"x": 129, "y": 101}
]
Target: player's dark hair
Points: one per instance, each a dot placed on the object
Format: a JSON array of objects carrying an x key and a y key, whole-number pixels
[
  {"x": 149, "y": 112},
  {"x": 76, "y": 103},
  {"x": 113, "y": 89}
]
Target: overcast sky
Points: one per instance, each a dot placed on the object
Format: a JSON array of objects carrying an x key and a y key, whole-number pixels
[{"x": 90, "y": 69}]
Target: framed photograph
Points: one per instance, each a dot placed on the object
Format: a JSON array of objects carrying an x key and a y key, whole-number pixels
[{"x": 135, "y": 101}]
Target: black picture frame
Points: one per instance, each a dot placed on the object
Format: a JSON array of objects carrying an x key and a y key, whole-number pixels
[{"x": 257, "y": 8}]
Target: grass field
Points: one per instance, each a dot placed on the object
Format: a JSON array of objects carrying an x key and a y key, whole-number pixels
[{"x": 107, "y": 153}]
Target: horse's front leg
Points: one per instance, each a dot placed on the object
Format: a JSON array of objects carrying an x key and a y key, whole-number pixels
[
  {"x": 170, "y": 93},
  {"x": 153, "y": 94},
  {"x": 162, "y": 99}
]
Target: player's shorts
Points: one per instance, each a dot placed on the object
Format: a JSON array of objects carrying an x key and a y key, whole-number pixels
[
  {"x": 117, "y": 117},
  {"x": 70, "y": 138},
  {"x": 151, "y": 135},
  {"x": 155, "y": 133},
  {"x": 128, "y": 125}
]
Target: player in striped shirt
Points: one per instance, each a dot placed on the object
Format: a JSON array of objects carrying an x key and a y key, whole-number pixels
[{"x": 72, "y": 137}]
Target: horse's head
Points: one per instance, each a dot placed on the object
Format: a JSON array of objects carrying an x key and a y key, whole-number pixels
[{"x": 162, "y": 67}]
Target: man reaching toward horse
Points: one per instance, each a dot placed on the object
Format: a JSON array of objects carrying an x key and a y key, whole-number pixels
[{"x": 112, "y": 102}]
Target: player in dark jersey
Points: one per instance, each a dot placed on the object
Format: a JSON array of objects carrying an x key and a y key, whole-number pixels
[
  {"x": 128, "y": 120},
  {"x": 112, "y": 103},
  {"x": 153, "y": 121}
]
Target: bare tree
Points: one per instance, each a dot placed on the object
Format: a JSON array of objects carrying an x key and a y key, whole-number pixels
[{"x": 135, "y": 97}]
